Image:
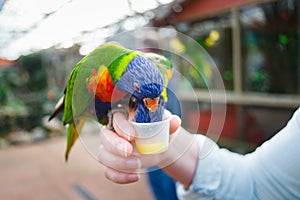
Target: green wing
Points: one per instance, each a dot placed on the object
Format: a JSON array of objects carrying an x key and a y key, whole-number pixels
[{"x": 110, "y": 55}]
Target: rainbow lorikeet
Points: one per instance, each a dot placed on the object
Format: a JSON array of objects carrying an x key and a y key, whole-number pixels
[{"x": 112, "y": 78}]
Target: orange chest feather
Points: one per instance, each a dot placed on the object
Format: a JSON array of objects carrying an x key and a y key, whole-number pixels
[{"x": 103, "y": 86}]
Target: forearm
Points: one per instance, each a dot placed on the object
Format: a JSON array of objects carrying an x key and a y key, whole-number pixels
[
  {"x": 270, "y": 172},
  {"x": 180, "y": 161},
  {"x": 219, "y": 174}
]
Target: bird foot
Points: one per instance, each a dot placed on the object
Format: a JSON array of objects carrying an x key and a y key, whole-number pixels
[{"x": 111, "y": 115}]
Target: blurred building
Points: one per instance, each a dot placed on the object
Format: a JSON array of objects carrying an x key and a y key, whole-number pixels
[{"x": 255, "y": 45}]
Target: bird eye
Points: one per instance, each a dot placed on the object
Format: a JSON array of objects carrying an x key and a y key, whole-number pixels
[
  {"x": 133, "y": 99},
  {"x": 133, "y": 102}
]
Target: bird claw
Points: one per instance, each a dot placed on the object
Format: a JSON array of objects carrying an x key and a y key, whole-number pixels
[{"x": 111, "y": 115}]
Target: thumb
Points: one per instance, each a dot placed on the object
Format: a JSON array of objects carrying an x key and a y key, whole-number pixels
[{"x": 174, "y": 124}]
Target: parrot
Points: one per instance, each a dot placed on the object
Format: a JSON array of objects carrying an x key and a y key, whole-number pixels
[{"x": 114, "y": 78}]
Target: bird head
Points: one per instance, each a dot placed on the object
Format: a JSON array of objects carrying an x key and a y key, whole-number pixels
[{"x": 145, "y": 83}]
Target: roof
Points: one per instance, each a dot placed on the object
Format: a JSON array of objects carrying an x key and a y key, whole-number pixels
[
  {"x": 6, "y": 63},
  {"x": 189, "y": 10}
]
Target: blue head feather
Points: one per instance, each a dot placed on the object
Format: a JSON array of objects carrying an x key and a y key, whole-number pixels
[{"x": 142, "y": 73}]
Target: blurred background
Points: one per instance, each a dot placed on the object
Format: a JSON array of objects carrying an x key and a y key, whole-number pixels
[{"x": 255, "y": 45}]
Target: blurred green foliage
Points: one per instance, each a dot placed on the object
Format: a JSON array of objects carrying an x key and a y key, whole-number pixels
[
  {"x": 11, "y": 107},
  {"x": 32, "y": 67},
  {"x": 21, "y": 86},
  {"x": 31, "y": 87}
]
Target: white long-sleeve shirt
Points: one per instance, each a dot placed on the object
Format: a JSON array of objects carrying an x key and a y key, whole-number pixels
[{"x": 272, "y": 171}]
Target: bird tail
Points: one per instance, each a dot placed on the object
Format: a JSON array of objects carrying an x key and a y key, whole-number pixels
[
  {"x": 59, "y": 107},
  {"x": 72, "y": 135}
]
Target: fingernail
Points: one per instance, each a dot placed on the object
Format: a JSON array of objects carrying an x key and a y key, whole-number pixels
[
  {"x": 122, "y": 149},
  {"x": 100, "y": 149},
  {"x": 133, "y": 177},
  {"x": 133, "y": 164},
  {"x": 128, "y": 134}
]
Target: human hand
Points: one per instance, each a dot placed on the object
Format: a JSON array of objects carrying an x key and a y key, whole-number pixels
[{"x": 117, "y": 151}]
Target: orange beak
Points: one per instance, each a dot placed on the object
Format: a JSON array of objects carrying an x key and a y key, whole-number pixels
[{"x": 151, "y": 103}]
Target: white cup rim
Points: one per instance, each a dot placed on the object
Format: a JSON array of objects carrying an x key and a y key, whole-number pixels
[{"x": 166, "y": 113}]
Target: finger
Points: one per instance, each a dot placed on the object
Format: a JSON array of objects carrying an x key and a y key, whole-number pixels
[
  {"x": 114, "y": 143},
  {"x": 116, "y": 162},
  {"x": 174, "y": 124},
  {"x": 123, "y": 127},
  {"x": 121, "y": 177}
]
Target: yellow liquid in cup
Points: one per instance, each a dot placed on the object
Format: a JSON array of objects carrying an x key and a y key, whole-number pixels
[{"x": 151, "y": 148}]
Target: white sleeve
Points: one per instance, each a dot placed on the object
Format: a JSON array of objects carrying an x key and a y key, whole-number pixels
[{"x": 270, "y": 172}]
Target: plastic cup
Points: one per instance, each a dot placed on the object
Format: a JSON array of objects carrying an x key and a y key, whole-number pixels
[{"x": 152, "y": 138}]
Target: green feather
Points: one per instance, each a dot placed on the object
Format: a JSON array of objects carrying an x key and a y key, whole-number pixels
[
  {"x": 118, "y": 66},
  {"x": 111, "y": 55}
]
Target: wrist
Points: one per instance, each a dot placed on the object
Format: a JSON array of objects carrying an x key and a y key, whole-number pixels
[{"x": 180, "y": 160}]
